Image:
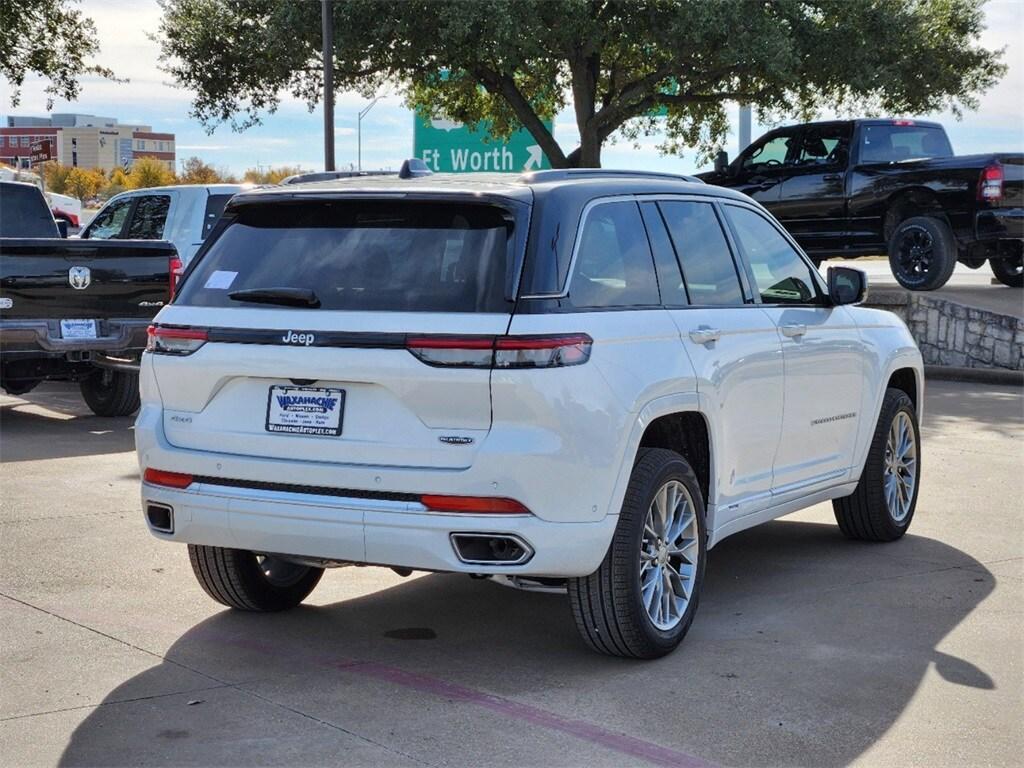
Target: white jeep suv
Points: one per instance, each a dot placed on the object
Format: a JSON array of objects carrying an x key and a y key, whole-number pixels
[{"x": 585, "y": 378}]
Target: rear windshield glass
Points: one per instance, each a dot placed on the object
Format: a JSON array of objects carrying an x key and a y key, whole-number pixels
[
  {"x": 24, "y": 213},
  {"x": 373, "y": 255},
  {"x": 893, "y": 143}
]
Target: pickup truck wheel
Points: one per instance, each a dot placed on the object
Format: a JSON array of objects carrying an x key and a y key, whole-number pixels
[
  {"x": 640, "y": 602},
  {"x": 111, "y": 393},
  {"x": 883, "y": 505},
  {"x": 922, "y": 253},
  {"x": 1009, "y": 271},
  {"x": 249, "y": 581}
]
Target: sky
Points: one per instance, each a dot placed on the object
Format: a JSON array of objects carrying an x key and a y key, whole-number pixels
[{"x": 294, "y": 136}]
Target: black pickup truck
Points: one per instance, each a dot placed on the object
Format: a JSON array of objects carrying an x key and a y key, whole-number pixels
[
  {"x": 852, "y": 188},
  {"x": 74, "y": 310}
]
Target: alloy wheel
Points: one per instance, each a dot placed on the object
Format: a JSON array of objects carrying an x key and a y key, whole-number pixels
[
  {"x": 900, "y": 472},
  {"x": 669, "y": 552},
  {"x": 916, "y": 250}
]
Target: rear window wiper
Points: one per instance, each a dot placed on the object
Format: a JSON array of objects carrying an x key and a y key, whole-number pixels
[{"x": 285, "y": 297}]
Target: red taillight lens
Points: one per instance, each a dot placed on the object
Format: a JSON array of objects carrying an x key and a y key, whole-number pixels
[
  {"x": 175, "y": 268},
  {"x": 169, "y": 479},
  {"x": 552, "y": 351},
  {"x": 990, "y": 185},
  {"x": 474, "y": 505},
  {"x": 175, "y": 341}
]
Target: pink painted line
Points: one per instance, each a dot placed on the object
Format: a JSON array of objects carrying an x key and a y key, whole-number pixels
[{"x": 526, "y": 713}]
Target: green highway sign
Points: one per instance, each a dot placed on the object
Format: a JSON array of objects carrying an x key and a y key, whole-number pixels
[{"x": 450, "y": 147}]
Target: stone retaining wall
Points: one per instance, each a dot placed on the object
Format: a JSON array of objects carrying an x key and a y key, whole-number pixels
[{"x": 953, "y": 334}]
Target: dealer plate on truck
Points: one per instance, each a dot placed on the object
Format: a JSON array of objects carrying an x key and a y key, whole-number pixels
[
  {"x": 78, "y": 329},
  {"x": 305, "y": 410}
]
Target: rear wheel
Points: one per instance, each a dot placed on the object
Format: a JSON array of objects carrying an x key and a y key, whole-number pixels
[
  {"x": 249, "y": 581},
  {"x": 883, "y": 505},
  {"x": 111, "y": 393},
  {"x": 640, "y": 602},
  {"x": 1009, "y": 271},
  {"x": 922, "y": 253}
]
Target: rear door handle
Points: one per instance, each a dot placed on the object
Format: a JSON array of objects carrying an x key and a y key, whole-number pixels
[
  {"x": 705, "y": 335},
  {"x": 792, "y": 331},
  {"x": 832, "y": 177}
]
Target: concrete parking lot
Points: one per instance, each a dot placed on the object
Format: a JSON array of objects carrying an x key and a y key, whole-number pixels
[{"x": 807, "y": 649}]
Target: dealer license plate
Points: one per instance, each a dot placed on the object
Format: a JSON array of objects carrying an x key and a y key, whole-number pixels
[
  {"x": 78, "y": 329},
  {"x": 305, "y": 410}
]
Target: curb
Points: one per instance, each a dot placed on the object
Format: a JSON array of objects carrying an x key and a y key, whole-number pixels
[{"x": 975, "y": 375}]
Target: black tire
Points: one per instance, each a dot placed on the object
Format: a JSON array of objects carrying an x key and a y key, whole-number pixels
[
  {"x": 865, "y": 514},
  {"x": 236, "y": 578},
  {"x": 607, "y": 605},
  {"x": 111, "y": 393},
  {"x": 922, "y": 253},
  {"x": 1009, "y": 271}
]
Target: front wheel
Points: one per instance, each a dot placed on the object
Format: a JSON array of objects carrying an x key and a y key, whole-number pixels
[
  {"x": 641, "y": 601},
  {"x": 882, "y": 506},
  {"x": 249, "y": 581},
  {"x": 111, "y": 393},
  {"x": 1009, "y": 271},
  {"x": 922, "y": 253}
]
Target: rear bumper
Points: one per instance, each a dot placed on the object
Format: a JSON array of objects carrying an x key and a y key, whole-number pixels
[
  {"x": 391, "y": 533},
  {"x": 125, "y": 336},
  {"x": 999, "y": 224}
]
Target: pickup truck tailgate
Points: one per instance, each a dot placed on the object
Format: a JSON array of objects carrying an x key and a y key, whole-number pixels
[
  {"x": 55, "y": 278},
  {"x": 1013, "y": 180}
]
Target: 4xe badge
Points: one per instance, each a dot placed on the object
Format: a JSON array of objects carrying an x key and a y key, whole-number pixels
[
  {"x": 79, "y": 278},
  {"x": 304, "y": 339}
]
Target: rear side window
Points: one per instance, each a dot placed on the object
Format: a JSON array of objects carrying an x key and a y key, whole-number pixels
[
  {"x": 214, "y": 208},
  {"x": 24, "y": 213},
  {"x": 782, "y": 277},
  {"x": 110, "y": 221},
  {"x": 614, "y": 267},
  {"x": 893, "y": 143},
  {"x": 147, "y": 223},
  {"x": 708, "y": 268},
  {"x": 400, "y": 256}
]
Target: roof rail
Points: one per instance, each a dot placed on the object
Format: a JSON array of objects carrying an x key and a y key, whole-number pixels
[{"x": 535, "y": 177}]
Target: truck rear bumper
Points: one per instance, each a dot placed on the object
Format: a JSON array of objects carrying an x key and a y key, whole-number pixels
[
  {"x": 32, "y": 337},
  {"x": 999, "y": 224},
  {"x": 372, "y": 531}
]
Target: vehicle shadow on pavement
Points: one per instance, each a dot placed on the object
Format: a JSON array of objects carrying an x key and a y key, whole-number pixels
[
  {"x": 805, "y": 651},
  {"x": 44, "y": 429},
  {"x": 952, "y": 405}
]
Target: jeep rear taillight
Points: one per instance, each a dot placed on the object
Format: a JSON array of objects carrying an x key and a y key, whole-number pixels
[
  {"x": 175, "y": 267},
  {"x": 174, "y": 341},
  {"x": 548, "y": 351},
  {"x": 990, "y": 185}
]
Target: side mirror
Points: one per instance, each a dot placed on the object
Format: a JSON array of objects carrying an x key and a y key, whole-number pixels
[
  {"x": 847, "y": 285},
  {"x": 62, "y": 227},
  {"x": 721, "y": 161}
]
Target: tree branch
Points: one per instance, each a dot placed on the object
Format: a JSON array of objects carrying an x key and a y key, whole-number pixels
[{"x": 506, "y": 86}]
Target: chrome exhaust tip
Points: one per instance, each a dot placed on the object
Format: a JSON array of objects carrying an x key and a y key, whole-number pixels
[{"x": 490, "y": 548}]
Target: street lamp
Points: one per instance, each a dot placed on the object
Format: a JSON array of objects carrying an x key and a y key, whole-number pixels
[{"x": 359, "y": 132}]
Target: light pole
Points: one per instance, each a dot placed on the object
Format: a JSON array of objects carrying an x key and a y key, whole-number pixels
[
  {"x": 359, "y": 132},
  {"x": 327, "y": 21}
]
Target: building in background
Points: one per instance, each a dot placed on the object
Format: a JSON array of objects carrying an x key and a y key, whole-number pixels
[{"x": 85, "y": 141}]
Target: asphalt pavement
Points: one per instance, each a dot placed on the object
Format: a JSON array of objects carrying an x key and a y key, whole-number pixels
[{"x": 807, "y": 649}]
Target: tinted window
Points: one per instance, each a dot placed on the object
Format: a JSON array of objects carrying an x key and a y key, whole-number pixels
[
  {"x": 708, "y": 269},
  {"x": 362, "y": 255},
  {"x": 670, "y": 279},
  {"x": 769, "y": 153},
  {"x": 110, "y": 221},
  {"x": 825, "y": 145},
  {"x": 149, "y": 218},
  {"x": 214, "y": 208},
  {"x": 893, "y": 143},
  {"x": 24, "y": 213},
  {"x": 782, "y": 277},
  {"x": 613, "y": 260}
]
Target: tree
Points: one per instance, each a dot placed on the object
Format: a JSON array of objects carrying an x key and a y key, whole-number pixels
[
  {"x": 50, "y": 39},
  {"x": 516, "y": 63},
  {"x": 270, "y": 175},
  {"x": 84, "y": 183},
  {"x": 149, "y": 172},
  {"x": 195, "y": 171},
  {"x": 56, "y": 176}
]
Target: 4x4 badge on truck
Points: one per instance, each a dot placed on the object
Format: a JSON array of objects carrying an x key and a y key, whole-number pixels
[{"x": 79, "y": 277}]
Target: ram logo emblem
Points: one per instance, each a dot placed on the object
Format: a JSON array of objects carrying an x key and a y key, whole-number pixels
[{"x": 79, "y": 277}]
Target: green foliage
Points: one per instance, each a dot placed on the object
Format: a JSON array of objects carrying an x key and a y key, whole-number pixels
[
  {"x": 47, "y": 38},
  {"x": 195, "y": 171},
  {"x": 517, "y": 62}
]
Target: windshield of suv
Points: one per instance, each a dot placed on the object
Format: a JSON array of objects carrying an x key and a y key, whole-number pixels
[
  {"x": 894, "y": 143},
  {"x": 373, "y": 255}
]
